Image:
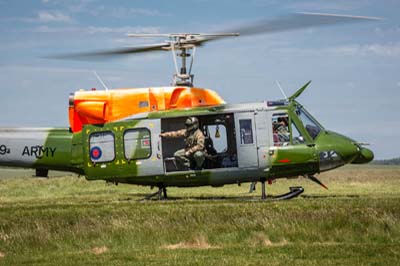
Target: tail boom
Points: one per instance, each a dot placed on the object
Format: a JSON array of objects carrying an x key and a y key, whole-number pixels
[{"x": 44, "y": 148}]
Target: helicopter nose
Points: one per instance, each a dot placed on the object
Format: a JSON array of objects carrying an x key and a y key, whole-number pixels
[
  {"x": 365, "y": 156},
  {"x": 336, "y": 150},
  {"x": 348, "y": 150}
]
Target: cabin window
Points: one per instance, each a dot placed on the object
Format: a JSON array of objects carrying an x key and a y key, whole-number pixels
[
  {"x": 137, "y": 144},
  {"x": 102, "y": 147},
  {"x": 217, "y": 134},
  {"x": 280, "y": 127},
  {"x": 246, "y": 131}
]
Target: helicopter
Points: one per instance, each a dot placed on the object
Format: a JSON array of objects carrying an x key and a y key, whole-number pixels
[{"x": 115, "y": 135}]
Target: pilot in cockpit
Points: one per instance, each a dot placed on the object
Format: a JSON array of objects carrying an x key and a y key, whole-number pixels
[{"x": 281, "y": 128}]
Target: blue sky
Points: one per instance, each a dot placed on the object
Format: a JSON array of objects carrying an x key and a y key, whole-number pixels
[{"x": 354, "y": 67}]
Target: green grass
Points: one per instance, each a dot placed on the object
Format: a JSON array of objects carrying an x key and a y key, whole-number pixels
[{"x": 66, "y": 220}]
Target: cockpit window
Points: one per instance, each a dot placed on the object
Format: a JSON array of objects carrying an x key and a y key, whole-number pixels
[
  {"x": 312, "y": 126},
  {"x": 296, "y": 135}
]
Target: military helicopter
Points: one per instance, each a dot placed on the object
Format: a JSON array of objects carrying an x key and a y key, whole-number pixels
[{"x": 114, "y": 135}]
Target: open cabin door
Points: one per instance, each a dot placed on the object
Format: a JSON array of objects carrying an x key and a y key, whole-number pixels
[{"x": 246, "y": 140}]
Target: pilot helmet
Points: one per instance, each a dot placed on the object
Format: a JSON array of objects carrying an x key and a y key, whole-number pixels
[{"x": 192, "y": 123}]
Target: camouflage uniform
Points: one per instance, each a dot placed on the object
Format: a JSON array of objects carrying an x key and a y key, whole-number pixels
[
  {"x": 283, "y": 133},
  {"x": 194, "y": 146}
]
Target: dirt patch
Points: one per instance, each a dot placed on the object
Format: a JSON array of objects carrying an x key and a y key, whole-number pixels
[
  {"x": 283, "y": 242},
  {"x": 198, "y": 242},
  {"x": 261, "y": 239},
  {"x": 2, "y": 255},
  {"x": 268, "y": 243},
  {"x": 99, "y": 250}
]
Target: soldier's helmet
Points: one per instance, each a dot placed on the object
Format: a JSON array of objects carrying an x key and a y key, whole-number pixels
[{"x": 192, "y": 123}]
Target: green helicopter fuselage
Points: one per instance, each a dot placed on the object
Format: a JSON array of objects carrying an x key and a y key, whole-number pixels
[{"x": 244, "y": 143}]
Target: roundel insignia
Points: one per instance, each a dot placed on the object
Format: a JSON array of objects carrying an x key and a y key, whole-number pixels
[{"x": 95, "y": 153}]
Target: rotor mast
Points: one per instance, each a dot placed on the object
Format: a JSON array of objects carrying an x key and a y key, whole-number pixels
[
  {"x": 182, "y": 76},
  {"x": 183, "y": 46}
]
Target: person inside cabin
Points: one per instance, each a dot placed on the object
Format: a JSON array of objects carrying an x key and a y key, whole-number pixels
[
  {"x": 281, "y": 128},
  {"x": 194, "y": 150}
]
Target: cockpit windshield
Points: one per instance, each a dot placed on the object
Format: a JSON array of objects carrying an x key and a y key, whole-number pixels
[{"x": 311, "y": 125}]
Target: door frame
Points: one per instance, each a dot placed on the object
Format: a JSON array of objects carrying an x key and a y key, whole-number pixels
[{"x": 246, "y": 152}]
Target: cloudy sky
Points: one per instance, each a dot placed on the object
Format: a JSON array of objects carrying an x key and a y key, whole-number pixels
[{"x": 354, "y": 67}]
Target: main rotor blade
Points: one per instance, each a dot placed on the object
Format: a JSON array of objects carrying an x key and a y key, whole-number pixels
[
  {"x": 288, "y": 22},
  {"x": 293, "y": 22},
  {"x": 284, "y": 23},
  {"x": 104, "y": 54}
]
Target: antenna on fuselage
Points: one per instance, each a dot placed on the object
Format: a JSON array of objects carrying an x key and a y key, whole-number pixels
[
  {"x": 280, "y": 87},
  {"x": 101, "y": 81}
]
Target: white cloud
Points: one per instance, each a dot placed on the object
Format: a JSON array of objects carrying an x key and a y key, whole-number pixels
[
  {"x": 79, "y": 5},
  {"x": 338, "y": 5},
  {"x": 96, "y": 30},
  {"x": 122, "y": 12},
  {"x": 372, "y": 49},
  {"x": 43, "y": 16},
  {"x": 391, "y": 32},
  {"x": 390, "y": 49},
  {"x": 53, "y": 16},
  {"x": 100, "y": 10},
  {"x": 127, "y": 12}
]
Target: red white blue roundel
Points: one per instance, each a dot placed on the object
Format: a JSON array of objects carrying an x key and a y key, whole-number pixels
[{"x": 95, "y": 153}]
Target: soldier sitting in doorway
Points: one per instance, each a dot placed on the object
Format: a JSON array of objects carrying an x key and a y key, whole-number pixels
[{"x": 194, "y": 150}]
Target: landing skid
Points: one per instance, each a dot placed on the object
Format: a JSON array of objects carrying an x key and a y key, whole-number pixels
[
  {"x": 294, "y": 192},
  {"x": 161, "y": 194}
]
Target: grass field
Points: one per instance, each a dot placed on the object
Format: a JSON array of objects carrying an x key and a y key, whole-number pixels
[{"x": 66, "y": 220}]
